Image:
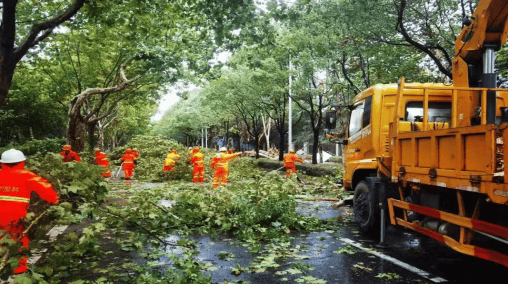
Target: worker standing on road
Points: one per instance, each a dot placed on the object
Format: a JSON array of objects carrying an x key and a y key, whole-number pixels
[
  {"x": 198, "y": 160},
  {"x": 289, "y": 162},
  {"x": 220, "y": 162},
  {"x": 128, "y": 163},
  {"x": 69, "y": 155},
  {"x": 170, "y": 161},
  {"x": 16, "y": 187},
  {"x": 101, "y": 159}
]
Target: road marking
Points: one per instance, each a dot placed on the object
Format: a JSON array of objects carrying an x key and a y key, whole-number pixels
[
  {"x": 37, "y": 254},
  {"x": 404, "y": 265}
]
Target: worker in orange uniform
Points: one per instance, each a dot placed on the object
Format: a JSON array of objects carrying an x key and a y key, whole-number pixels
[
  {"x": 101, "y": 159},
  {"x": 128, "y": 159},
  {"x": 198, "y": 160},
  {"x": 69, "y": 155},
  {"x": 16, "y": 187},
  {"x": 170, "y": 161},
  {"x": 220, "y": 162},
  {"x": 289, "y": 162}
]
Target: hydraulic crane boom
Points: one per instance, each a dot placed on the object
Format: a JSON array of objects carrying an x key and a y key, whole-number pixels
[
  {"x": 473, "y": 65},
  {"x": 488, "y": 25}
]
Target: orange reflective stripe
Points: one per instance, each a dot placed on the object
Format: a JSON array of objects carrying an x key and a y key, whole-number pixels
[{"x": 14, "y": 199}]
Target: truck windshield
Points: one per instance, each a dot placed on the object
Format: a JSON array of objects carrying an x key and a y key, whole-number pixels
[
  {"x": 355, "y": 123},
  {"x": 438, "y": 112}
]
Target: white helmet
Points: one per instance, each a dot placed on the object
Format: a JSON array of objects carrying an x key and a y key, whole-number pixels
[
  {"x": 190, "y": 148},
  {"x": 223, "y": 149},
  {"x": 12, "y": 156}
]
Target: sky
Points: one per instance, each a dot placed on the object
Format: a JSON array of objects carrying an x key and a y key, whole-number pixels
[{"x": 170, "y": 97}]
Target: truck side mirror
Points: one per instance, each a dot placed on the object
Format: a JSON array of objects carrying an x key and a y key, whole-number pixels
[{"x": 345, "y": 142}]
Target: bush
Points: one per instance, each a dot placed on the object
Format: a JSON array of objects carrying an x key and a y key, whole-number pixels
[
  {"x": 33, "y": 147},
  {"x": 336, "y": 159},
  {"x": 258, "y": 209}
]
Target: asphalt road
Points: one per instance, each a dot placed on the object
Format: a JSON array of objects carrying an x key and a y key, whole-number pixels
[{"x": 427, "y": 260}]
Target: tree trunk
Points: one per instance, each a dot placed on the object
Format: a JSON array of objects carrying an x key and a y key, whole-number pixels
[
  {"x": 100, "y": 140},
  {"x": 315, "y": 146},
  {"x": 227, "y": 133},
  {"x": 72, "y": 130},
  {"x": 91, "y": 136},
  {"x": 256, "y": 138},
  {"x": 5, "y": 83},
  {"x": 281, "y": 145}
]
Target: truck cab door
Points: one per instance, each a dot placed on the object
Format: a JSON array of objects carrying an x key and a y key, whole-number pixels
[{"x": 359, "y": 137}]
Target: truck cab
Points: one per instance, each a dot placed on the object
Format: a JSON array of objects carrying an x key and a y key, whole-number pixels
[{"x": 368, "y": 133}]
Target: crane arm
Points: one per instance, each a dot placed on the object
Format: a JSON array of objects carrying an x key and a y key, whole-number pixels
[{"x": 489, "y": 25}]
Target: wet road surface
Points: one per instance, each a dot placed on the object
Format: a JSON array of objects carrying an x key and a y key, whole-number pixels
[
  {"x": 334, "y": 256},
  {"x": 335, "y": 260}
]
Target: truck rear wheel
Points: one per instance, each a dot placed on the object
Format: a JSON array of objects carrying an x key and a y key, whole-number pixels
[{"x": 365, "y": 204}]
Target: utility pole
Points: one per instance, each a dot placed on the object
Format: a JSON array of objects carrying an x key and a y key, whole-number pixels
[
  {"x": 290, "y": 124},
  {"x": 206, "y": 137},
  {"x": 202, "y": 141}
]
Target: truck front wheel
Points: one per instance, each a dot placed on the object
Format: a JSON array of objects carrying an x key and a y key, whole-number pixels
[{"x": 365, "y": 202}]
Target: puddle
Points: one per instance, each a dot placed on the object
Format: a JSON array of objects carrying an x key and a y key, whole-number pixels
[{"x": 321, "y": 209}]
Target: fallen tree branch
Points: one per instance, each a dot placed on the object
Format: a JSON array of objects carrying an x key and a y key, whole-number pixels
[{"x": 4, "y": 260}]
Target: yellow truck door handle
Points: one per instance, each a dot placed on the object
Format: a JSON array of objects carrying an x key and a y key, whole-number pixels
[{"x": 357, "y": 150}]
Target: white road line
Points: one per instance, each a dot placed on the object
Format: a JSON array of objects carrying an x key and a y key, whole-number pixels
[
  {"x": 37, "y": 254},
  {"x": 404, "y": 265}
]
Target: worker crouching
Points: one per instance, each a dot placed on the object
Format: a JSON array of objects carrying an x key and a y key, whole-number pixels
[
  {"x": 289, "y": 162},
  {"x": 16, "y": 187},
  {"x": 198, "y": 161},
  {"x": 69, "y": 155},
  {"x": 220, "y": 162},
  {"x": 128, "y": 164}
]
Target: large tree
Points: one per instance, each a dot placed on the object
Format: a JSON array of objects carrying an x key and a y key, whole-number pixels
[
  {"x": 96, "y": 55},
  {"x": 22, "y": 29}
]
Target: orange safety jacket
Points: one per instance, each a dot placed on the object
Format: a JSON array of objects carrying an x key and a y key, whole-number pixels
[
  {"x": 221, "y": 160},
  {"x": 16, "y": 187},
  {"x": 128, "y": 157},
  {"x": 198, "y": 159},
  {"x": 290, "y": 159},
  {"x": 170, "y": 159},
  {"x": 70, "y": 156},
  {"x": 101, "y": 159}
]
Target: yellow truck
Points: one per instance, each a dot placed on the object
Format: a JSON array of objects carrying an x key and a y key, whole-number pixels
[{"x": 432, "y": 156}]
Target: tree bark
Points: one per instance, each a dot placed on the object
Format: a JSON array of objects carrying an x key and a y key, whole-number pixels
[
  {"x": 281, "y": 146},
  {"x": 91, "y": 127},
  {"x": 75, "y": 117},
  {"x": 315, "y": 146}
]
